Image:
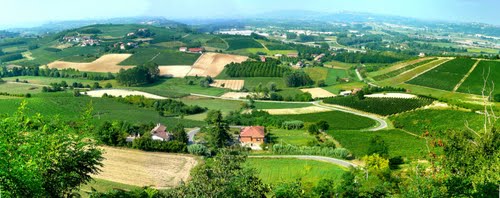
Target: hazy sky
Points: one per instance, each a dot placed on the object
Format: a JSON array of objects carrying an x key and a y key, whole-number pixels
[{"x": 33, "y": 12}]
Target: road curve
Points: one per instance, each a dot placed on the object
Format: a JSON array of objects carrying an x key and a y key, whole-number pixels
[
  {"x": 382, "y": 124},
  {"x": 330, "y": 160}
]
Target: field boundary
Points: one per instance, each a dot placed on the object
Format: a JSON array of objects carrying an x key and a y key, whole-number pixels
[{"x": 465, "y": 76}]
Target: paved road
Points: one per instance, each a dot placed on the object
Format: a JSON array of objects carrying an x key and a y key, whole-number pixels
[
  {"x": 310, "y": 157},
  {"x": 382, "y": 124},
  {"x": 191, "y": 134}
]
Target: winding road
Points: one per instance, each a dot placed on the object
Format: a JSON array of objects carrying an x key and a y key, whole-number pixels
[{"x": 330, "y": 160}]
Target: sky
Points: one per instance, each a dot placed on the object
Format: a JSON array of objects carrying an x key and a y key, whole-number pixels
[{"x": 23, "y": 13}]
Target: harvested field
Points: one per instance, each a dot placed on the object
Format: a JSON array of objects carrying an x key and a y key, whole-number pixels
[
  {"x": 212, "y": 64},
  {"x": 139, "y": 168},
  {"x": 106, "y": 63},
  {"x": 303, "y": 110},
  {"x": 391, "y": 95},
  {"x": 177, "y": 71},
  {"x": 235, "y": 95},
  {"x": 318, "y": 92},
  {"x": 229, "y": 84},
  {"x": 121, "y": 92}
]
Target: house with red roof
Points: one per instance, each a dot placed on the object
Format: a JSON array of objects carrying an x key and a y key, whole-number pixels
[
  {"x": 252, "y": 135},
  {"x": 196, "y": 50}
]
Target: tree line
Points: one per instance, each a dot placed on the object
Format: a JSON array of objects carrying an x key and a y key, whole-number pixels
[
  {"x": 140, "y": 75},
  {"x": 53, "y": 72}
]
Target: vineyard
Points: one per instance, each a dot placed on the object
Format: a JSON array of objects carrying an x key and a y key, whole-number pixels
[
  {"x": 255, "y": 69},
  {"x": 236, "y": 43},
  {"x": 381, "y": 106},
  {"x": 474, "y": 82},
  {"x": 401, "y": 70},
  {"x": 216, "y": 42},
  {"x": 336, "y": 119},
  {"x": 446, "y": 76}
]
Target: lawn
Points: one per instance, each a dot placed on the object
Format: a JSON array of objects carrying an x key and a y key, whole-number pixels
[
  {"x": 338, "y": 120},
  {"x": 294, "y": 137},
  {"x": 102, "y": 185},
  {"x": 399, "y": 142},
  {"x": 483, "y": 50},
  {"x": 276, "y": 171},
  {"x": 446, "y": 76},
  {"x": 70, "y": 108},
  {"x": 474, "y": 83}
]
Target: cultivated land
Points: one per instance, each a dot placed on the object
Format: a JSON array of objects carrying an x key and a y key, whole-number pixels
[
  {"x": 235, "y": 95},
  {"x": 212, "y": 64},
  {"x": 391, "y": 95},
  {"x": 176, "y": 71},
  {"x": 120, "y": 93},
  {"x": 475, "y": 81},
  {"x": 336, "y": 119},
  {"x": 318, "y": 92},
  {"x": 293, "y": 137},
  {"x": 106, "y": 63},
  {"x": 408, "y": 75},
  {"x": 294, "y": 111},
  {"x": 138, "y": 168},
  {"x": 229, "y": 84},
  {"x": 446, "y": 76},
  {"x": 397, "y": 66}
]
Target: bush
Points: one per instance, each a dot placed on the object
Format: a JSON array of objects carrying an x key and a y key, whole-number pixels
[
  {"x": 281, "y": 149},
  {"x": 496, "y": 98},
  {"x": 294, "y": 124},
  {"x": 394, "y": 162},
  {"x": 197, "y": 149},
  {"x": 313, "y": 129}
]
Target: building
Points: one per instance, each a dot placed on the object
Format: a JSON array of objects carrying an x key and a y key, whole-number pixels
[
  {"x": 262, "y": 58},
  {"x": 293, "y": 55},
  {"x": 183, "y": 49},
  {"x": 421, "y": 55},
  {"x": 196, "y": 50},
  {"x": 345, "y": 93},
  {"x": 160, "y": 133},
  {"x": 252, "y": 135}
]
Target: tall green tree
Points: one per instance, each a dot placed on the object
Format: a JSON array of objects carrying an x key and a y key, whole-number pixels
[
  {"x": 377, "y": 145},
  {"x": 180, "y": 134},
  {"x": 218, "y": 131}
]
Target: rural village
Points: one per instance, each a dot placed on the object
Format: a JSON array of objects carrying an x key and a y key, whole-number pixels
[{"x": 311, "y": 105}]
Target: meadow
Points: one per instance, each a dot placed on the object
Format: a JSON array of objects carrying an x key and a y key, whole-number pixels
[
  {"x": 446, "y": 76},
  {"x": 474, "y": 83},
  {"x": 294, "y": 137},
  {"x": 398, "y": 142},
  {"x": 276, "y": 171},
  {"x": 338, "y": 120}
]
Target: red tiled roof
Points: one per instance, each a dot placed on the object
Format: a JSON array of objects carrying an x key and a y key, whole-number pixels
[
  {"x": 252, "y": 131},
  {"x": 195, "y": 49}
]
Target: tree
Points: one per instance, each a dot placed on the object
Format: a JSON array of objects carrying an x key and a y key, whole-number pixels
[
  {"x": 496, "y": 98},
  {"x": 377, "y": 145},
  {"x": 218, "y": 132},
  {"x": 325, "y": 188},
  {"x": 180, "y": 134},
  {"x": 43, "y": 157},
  {"x": 76, "y": 93},
  {"x": 313, "y": 129},
  {"x": 323, "y": 125},
  {"x": 108, "y": 86}
]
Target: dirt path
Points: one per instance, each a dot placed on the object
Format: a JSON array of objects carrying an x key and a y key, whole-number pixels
[
  {"x": 330, "y": 160},
  {"x": 466, "y": 76},
  {"x": 359, "y": 75}
]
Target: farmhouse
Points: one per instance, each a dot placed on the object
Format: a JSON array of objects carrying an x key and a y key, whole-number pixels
[
  {"x": 262, "y": 58},
  {"x": 183, "y": 49},
  {"x": 252, "y": 135},
  {"x": 345, "y": 93},
  {"x": 160, "y": 133},
  {"x": 196, "y": 50}
]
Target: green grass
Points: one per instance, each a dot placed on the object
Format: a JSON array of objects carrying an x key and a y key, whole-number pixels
[
  {"x": 437, "y": 122},
  {"x": 19, "y": 88},
  {"x": 399, "y": 142},
  {"x": 277, "y": 105},
  {"x": 336, "y": 119},
  {"x": 317, "y": 73},
  {"x": 483, "y": 50},
  {"x": 69, "y": 108},
  {"x": 178, "y": 87},
  {"x": 474, "y": 83},
  {"x": 251, "y": 82},
  {"x": 42, "y": 56},
  {"x": 333, "y": 74},
  {"x": 335, "y": 89},
  {"x": 294, "y": 137},
  {"x": 276, "y": 171},
  {"x": 216, "y": 42},
  {"x": 161, "y": 57},
  {"x": 340, "y": 64},
  {"x": 47, "y": 80},
  {"x": 102, "y": 185},
  {"x": 410, "y": 74},
  {"x": 171, "y": 44},
  {"x": 249, "y": 51},
  {"x": 446, "y": 76}
]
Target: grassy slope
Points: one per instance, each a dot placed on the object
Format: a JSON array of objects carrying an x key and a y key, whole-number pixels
[
  {"x": 399, "y": 142},
  {"x": 160, "y": 57},
  {"x": 474, "y": 83},
  {"x": 104, "y": 186},
  {"x": 294, "y": 137},
  {"x": 275, "y": 171},
  {"x": 19, "y": 88},
  {"x": 336, "y": 119}
]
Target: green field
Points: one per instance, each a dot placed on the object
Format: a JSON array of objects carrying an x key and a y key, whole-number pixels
[
  {"x": 275, "y": 171},
  {"x": 446, "y": 76},
  {"x": 483, "y": 50},
  {"x": 474, "y": 83},
  {"x": 251, "y": 82},
  {"x": 294, "y": 137},
  {"x": 178, "y": 87},
  {"x": 19, "y": 88},
  {"x": 68, "y": 108},
  {"x": 335, "y": 89},
  {"x": 278, "y": 105},
  {"x": 381, "y": 106},
  {"x": 399, "y": 142},
  {"x": 104, "y": 186},
  {"x": 401, "y": 70},
  {"x": 42, "y": 80},
  {"x": 337, "y": 120},
  {"x": 410, "y": 74},
  {"x": 437, "y": 122},
  {"x": 339, "y": 64},
  {"x": 216, "y": 42},
  {"x": 161, "y": 57},
  {"x": 236, "y": 43},
  {"x": 249, "y": 51}
]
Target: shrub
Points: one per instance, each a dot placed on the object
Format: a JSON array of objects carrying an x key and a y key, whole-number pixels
[
  {"x": 281, "y": 149},
  {"x": 294, "y": 124},
  {"x": 313, "y": 129},
  {"x": 298, "y": 79},
  {"x": 197, "y": 149}
]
